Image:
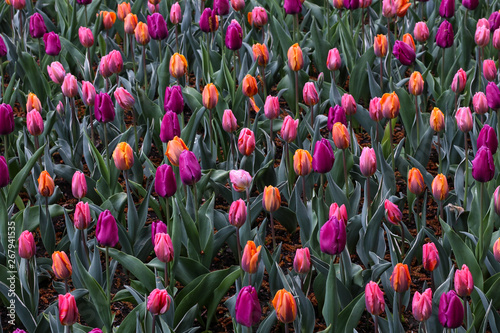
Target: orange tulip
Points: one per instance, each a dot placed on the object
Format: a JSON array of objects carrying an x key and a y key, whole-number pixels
[
  {"x": 390, "y": 105},
  {"x": 61, "y": 265},
  {"x": 284, "y": 304},
  {"x": 249, "y": 88},
  {"x": 33, "y": 103},
  {"x": 130, "y": 23},
  {"x": 416, "y": 84},
  {"x": 401, "y": 7},
  {"x": 174, "y": 149},
  {"x": 380, "y": 46},
  {"x": 415, "y": 181},
  {"x": 123, "y": 156},
  {"x": 123, "y": 10},
  {"x": 408, "y": 39},
  {"x": 302, "y": 162},
  {"x": 400, "y": 278},
  {"x": 178, "y": 65},
  {"x": 340, "y": 136},
  {"x": 437, "y": 120},
  {"x": 440, "y": 187},
  {"x": 142, "y": 33},
  {"x": 45, "y": 184},
  {"x": 272, "y": 199},
  {"x": 250, "y": 258},
  {"x": 260, "y": 54},
  {"x": 108, "y": 19},
  {"x": 295, "y": 58},
  {"x": 210, "y": 96}
]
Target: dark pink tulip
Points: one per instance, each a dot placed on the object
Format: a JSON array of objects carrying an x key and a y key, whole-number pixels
[
  {"x": 480, "y": 103},
  {"x": 332, "y": 236},
  {"x": 348, "y": 104},
  {"x": 336, "y": 114},
  {"x": 34, "y": 123},
  {"x": 6, "y": 119},
  {"x": 69, "y": 86},
  {"x": 221, "y": 7},
  {"x": 445, "y": 35},
  {"x": 392, "y": 212},
  {"x": 487, "y": 137},
  {"x": 470, "y": 4},
  {"x": 104, "y": 109},
  {"x": 174, "y": 101},
  {"x": 351, "y": 4},
  {"x": 293, "y": 6},
  {"x": 234, "y": 36},
  {"x": 493, "y": 96},
  {"x": 169, "y": 127},
  {"x": 374, "y": 299},
  {"x": 82, "y": 216},
  {"x": 247, "y": 309},
  {"x": 115, "y": 62},
  {"x": 27, "y": 245},
  {"x": 459, "y": 81},
  {"x": 272, "y": 107},
  {"x": 68, "y": 311},
  {"x": 451, "y": 310},
  {"x": 4, "y": 172},
  {"x": 430, "y": 257},
  {"x": 489, "y": 69},
  {"x": 88, "y": 93},
  {"x": 375, "y": 109},
  {"x": 483, "y": 166},
  {"x": 209, "y": 21},
  {"x": 447, "y": 8},
  {"x": 229, "y": 123},
  {"x": 157, "y": 27},
  {"x": 404, "y": 53},
  {"x": 302, "y": 261},
  {"x": 464, "y": 284},
  {"x": 189, "y": 168},
  {"x": 165, "y": 183},
  {"x": 3, "y": 47},
  {"x": 158, "y": 302},
  {"x": 52, "y": 43},
  {"x": 238, "y": 213},
  {"x": 86, "y": 37},
  {"x": 124, "y": 98},
  {"x": 106, "y": 230},
  {"x": 157, "y": 227},
  {"x": 37, "y": 26},
  {"x": 323, "y": 157}
]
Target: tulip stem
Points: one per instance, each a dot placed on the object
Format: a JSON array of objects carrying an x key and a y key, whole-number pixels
[
  {"x": 264, "y": 87},
  {"x": 392, "y": 143},
  {"x": 272, "y": 230},
  {"x": 368, "y": 205},
  {"x": 304, "y": 195},
  {"x": 417, "y": 120},
  {"x": 66, "y": 288},
  {"x": 297, "y": 111},
  {"x": 145, "y": 71},
  {"x": 381, "y": 78},
  {"x": 39, "y": 56},
  {"x": 375, "y": 320},
  {"x": 37, "y": 146},
  {"x": 159, "y": 50},
  {"x": 134, "y": 120},
  {"x": 86, "y": 18},
  {"x": 195, "y": 195},
  {"x": 106, "y": 143},
  {"x": 167, "y": 212},
  {"x": 442, "y": 69},
  {"x": 271, "y": 130},
  {"x": 441, "y": 209},
  {"x": 108, "y": 283},
  {"x": 345, "y": 175},
  {"x": 249, "y": 218},
  {"x": 466, "y": 170},
  {"x": 432, "y": 282},
  {"x": 481, "y": 231},
  {"x": 439, "y": 152},
  {"x": 84, "y": 243},
  {"x": 238, "y": 245},
  {"x": 166, "y": 274},
  {"x": 363, "y": 27},
  {"x": 153, "y": 327},
  {"x": 176, "y": 38},
  {"x": 286, "y": 327},
  {"x": 351, "y": 132},
  {"x": 297, "y": 28},
  {"x": 402, "y": 241}
]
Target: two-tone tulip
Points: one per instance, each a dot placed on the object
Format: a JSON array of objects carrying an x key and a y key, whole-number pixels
[
  {"x": 164, "y": 249},
  {"x": 45, "y": 184},
  {"x": 174, "y": 148},
  {"x": 339, "y": 212},
  {"x": 240, "y": 180},
  {"x": 178, "y": 65},
  {"x": 400, "y": 278},
  {"x": 302, "y": 162},
  {"x": 61, "y": 266},
  {"x": 440, "y": 187},
  {"x": 295, "y": 58},
  {"x": 284, "y": 303},
  {"x": 260, "y": 54},
  {"x": 82, "y": 216},
  {"x": 340, "y": 136},
  {"x": 389, "y": 104},
  {"x": 250, "y": 258},
  {"x": 68, "y": 311},
  {"x": 246, "y": 142},
  {"x": 271, "y": 201},
  {"x": 374, "y": 299},
  {"x": 123, "y": 156},
  {"x": 416, "y": 183},
  {"x": 430, "y": 257},
  {"x": 437, "y": 120},
  {"x": 158, "y": 302},
  {"x": 392, "y": 212},
  {"x": 416, "y": 84}
]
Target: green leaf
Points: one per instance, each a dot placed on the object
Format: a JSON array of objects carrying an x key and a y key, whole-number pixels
[
  {"x": 358, "y": 83},
  {"x": 351, "y": 314},
  {"x": 136, "y": 267}
]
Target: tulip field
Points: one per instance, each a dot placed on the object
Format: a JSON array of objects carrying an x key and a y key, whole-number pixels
[{"x": 249, "y": 166}]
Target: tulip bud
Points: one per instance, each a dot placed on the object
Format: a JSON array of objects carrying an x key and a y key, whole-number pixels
[
  {"x": 348, "y": 104},
  {"x": 289, "y": 129},
  {"x": 56, "y": 72},
  {"x": 3, "y": 48},
  {"x": 471, "y": 4},
  {"x": 210, "y": 96},
  {"x": 368, "y": 162},
  {"x": 52, "y": 43},
  {"x": 437, "y": 120},
  {"x": 496, "y": 246},
  {"x": 284, "y": 304},
  {"x": 494, "y": 20},
  {"x": 272, "y": 107},
  {"x": 157, "y": 227},
  {"x": 79, "y": 185},
  {"x": 295, "y": 58},
  {"x": 208, "y": 21},
  {"x": 157, "y": 27},
  {"x": 408, "y": 39},
  {"x": 34, "y": 123},
  {"x": 130, "y": 24},
  {"x": 451, "y": 310},
  {"x": 323, "y": 157},
  {"x": 459, "y": 81},
  {"x": 338, "y": 4},
  {"x": 496, "y": 202},
  {"x": 430, "y": 256},
  {"x": 464, "y": 119},
  {"x": 124, "y": 98},
  {"x": 123, "y": 9},
  {"x": 374, "y": 299},
  {"x": 104, "y": 67},
  {"x": 260, "y": 54},
  {"x": 229, "y": 123},
  {"x": 400, "y": 278},
  {"x": 401, "y": 7},
  {"x": 141, "y": 32},
  {"x": 246, "y": 142},
  {"x": 238, "y": 213},
  {"x": 415, "y": 181},
  {"x": 293, "y": 7},
  {"x": 380, "y": 46},
  {"x": 392, "y": 212},
  {"x": 332, "y": 236},
  {"x": 496, "y": 39},
  {"x": 45, "y": 184},
  {"x": 175, "y": 13},
  {"x": 404, "y": 53},
  {"x": 37, "y": 26},
  {"x": 352, "y": 4},
  {"x": 238, "y": 5},
  {"x": 6, "y": 119},
  {"x": 174, "y": 148},
  {"x": 416, "y": 84},
  {"x": 61, "y": 265},
  {"x": 249, "y": 86},
  {"x": 241, "y": 180},
  {"x": 340, "y": 213},
  {"x": 422, "y": 305},
  {"x": 493, "y": 96},
  {"x": 115, "y": 62},
  {"x": 69, "y": 86},
  {"x": 4, "y": 172},
  {"x": 27, "y": 245},
  {"x": 82, "y": 216},
  {"x": 247, "y": 309},
  {"x": 302, "y": 261},
  {"x": 158, "y": 302},
  {"x": 174, "y": 101},
  {"x": 250, "y": 258},
  {"x": 340, "y": 136},
  {"x": 153, "y": 6},
  {"x": 375, "y": 109},
  {"x": 123, "y": 156},
  {"x": 488, "y": 138},
  {"x": 333, "y": 62},
  {"x": 310, "y": 94},
  {"x": 440, "y": 187},
  {"x": 234, "y": 36},
  {"x": 421, "y": 32},
  {"x": 272, "y": 199},
  {"x": 447, "y": 8},
  {"x": 86, "y": 37},
  {"x": 464, "y": 283},
  {"x": 482, "y": 36},
  {"x": 165, "y": 183},
  {"x": 106, "y": 231},
  {"x": 480, "y": 103},
  {"x": 104, "y": 109},
  {"x": 257, "y": 17},
  {"x": 489, "y": 70},
  {"x": 390, "y": 105},
  {"x": 336, "y": 114},
  {"x": 302, "y": 162},
  {"x": 178, "y": 65},
  {"x": 108, "y": 19},
  {"x": 68, "y": 311},
  {"x": 189, "y": 168},
  {"x": 164, "y": 248},
  {"x": 483, "y": 166},
  {"x": 445, "y": 35},
  {"x": 33, "y": 103}
]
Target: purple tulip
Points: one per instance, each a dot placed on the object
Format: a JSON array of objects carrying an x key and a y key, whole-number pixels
[
  {"x": 493, "y": 96},
  {"x": 174, "y": 101},
  {"x": 247, "y": 309},
  {"x": 336, "y": 114},
  {"x": 165, "y": 183},
  {"x": 157, "y": 27},
  {"x": 221, "y": 7},
  {"x": 52, "y": 43},
  {"x": 351, "y": 4},
  {"x": 4, "y": 172},
  {"x": 169, "y": 127},
  {"x": 483, "y": 166},
  {"x": 6, "y": 119},
  {"x": 470, "y": 4},
  {"x": 3, "y": 47},
  {"x": 451, "y": 310},
  {"x": 208, "y": 21},
  {"x": 494, "y": 21},
  {"x": 37, "y": 26},
  {"x": 487, "y": 137},
  {"x": 293, "y": 6},
  {"x": 106, "y": 230},
  {"x": 404, "y": 52},
  {"x": 104, "y": 109},
  {"x": 332, "y": 236},
  {"x": 323, "y": 157},
  {"x": 84, "y": 2},
  {"x": 447, "y": 8},
  {"x": 445, "y": 35},
  {"x": 234, "y": 36},
  {"x": 157, "y": 227},
  {"x": 189, "y": 168}
]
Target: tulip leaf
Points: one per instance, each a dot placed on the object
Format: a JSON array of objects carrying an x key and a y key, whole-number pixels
[
  {"x": 359, "y": 78},
  {"x": 128, "y": 324},
  {"x": 349, "y": 317},
  {"x": 136, "y": 267},
  {"x": 33, "y": 76}
]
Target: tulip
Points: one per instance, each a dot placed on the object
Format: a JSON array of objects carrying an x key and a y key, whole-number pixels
[
  {"x": 250, "y": 258},
  {"x": 380, "y": 46},
  {"x": 493, "y": 96},
  {"x": 209, "y": 21},
  {"x": 157, "y": 227},
  {"x": 333, "y": 62},
  {"x": 123, "y": 9},
  {"x": 130, "y": 23},
  {"x": 210, "y": 96},
  {"x": 310, "y": 94},
  {"x": 348, "y": 104},
  {"x": 470, "y": 4},
  {"x": 174, "y": 148},
  {"x": 247, "y": 309},
  {"x": 421, "y": 32},
  {"x": 68, "y": 311},
  {"x": 6, "y": 119},
  {"x": 447, "y": 8},
  {"x": 340, "y": 136},
  {"x": 415, "y": 181},
  {"x": 293, "y": 7},
  {"x": 52, "y": 43},
  {"x": 375, "y": 109},
  {"x": 464, "y": 119},
  {"x": 496, "y": 246},
  {"x": 104, "y": 109},
  {"x": 158, "y": 302},
  {"x": 234, "y": 36},
  {"x": 37, "y": 26},
  {"x": 480, "y": 103},
  {"x": 175, "y": 13},
  {"x": 238, "y": 213},
  {"x": 302, "y": 261},
  {"x": 368, "y": 162},
  {"x": 258, "y": 17},
  {"x": 260, "y": 54},
  {"x": 323, "y": 157},
  {"x": 240, "y": 179},
  {"x": 189, "y": 168},
  {"x": 374, "y": 299},
  {"x": 408, "y": 40},
  {"x": 45, "y": 184},
  {"x": 340, "y": 213},
  {"x": 104, "y": 66},
  {"x": 488, "y": 138},
  {"x": 4, "y": 172},
  {"x": 33, "y": 103},
  {"x": 3, "y": 47},
  {"x": 69, "y": 86},
  {"x": 482, "y": 36},
  {"x": 272, "y": 107},
  {"x": 84, "y": 2},
  {"x": 459, "y": 81},
  {"x": 494, "y": 20},
  {"x": 430, "y": 257},
  {"x": 246, "y": 142},
  {"x": 392, "y": 212},
  {"x": 404, "y": 53},
  {"x": 416, "y": 84},
  {"x": 178, "y": 65},
  {"x": 336, "y": 114},
  {"x": 157, "y": 26},
  {"x": 124, "y": 98},
  {"x": 496, "y": 39},
  {"x": 106, "y": 231},
  {"x": 401, "y": 7},
  {"x": 289, "y": 129},
  {"x": 115, "y": 62},
  {"x": 56, "y": 72},
  {"x": 18, "y": 4},
  {"x": 27, "y": 245},
  {"x": 390, "y": 105},
  {"x": 271, "y": 200},
  {"x": 79, "y": 185},
  {"x": 440, "y": 187},
  {"x": 400, "y": 278},
  {"x": 164, "y": 248},
  {"x": 123, "y": 156},
  {"x": 238, "y": 5},
  {"x": 142, "y": 35},
  {"x": 82, "y": 216},
  {"x": 332, "y": 236},
  {"x": 153, "y": 6},
  {"x": 61, "y": 265},
  {"x": 302, "y": 162},
  {"x": 483, "y": 166},
  {"x": 284, "y": 303},
  {"x": 445, "y": 35},
  {"x": 351, "y": 4},
  {"x": 174, "y": 101},
  {"x": 249, "y": 86},
  {"x": 108, "y": 19},
  {"x": 165, "y": 183},
  {"x": 451, "y": 311},
  {"x": 482, "y": 22},
  {"x": 229, "y": 123},
  {"x": 489, "y": 69},
  {"x": 295, "y": 58},
  {"x": 422, "y": 305},
  {"x": 34, "y": 122},
  {"x": 437, "y": 120}
]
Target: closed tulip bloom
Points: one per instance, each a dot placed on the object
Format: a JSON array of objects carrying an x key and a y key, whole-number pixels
[
  {"x": 56, "y": 72},
  {"x": 340, "y": 136},
  {"x": 496, "y": 247},
  {"x": 27, "y": 246},
  {"x": 178, "y": 65},
  {"x": 45, "y": 184},
  {"x": 400, "y": 278},
  {"x": 289, "y": 129},
  {"x": 104, "y": 109},
  {"x": 293, "y": 6},
  {"x": 115, "y": 61},
  {"x": 494, "y": 20},
  {"x": 249, "y": 86},
  {"x": 84, "y": 2},
  {"x": 247, "y": 308},
  {"x": 375, "y": 109},
  {"x": 336, "y": 114},
  {"x": 415, "y": 181},
  {"x": 348, "y": 104},
  {"x": 272, "y": 107},
  {"x": 470, "y": 4},
  {"x": 158, "y": 302},
  {"x": 68, "y": 311},
  {"x": 333, "y": 61},
  {"x": 34, "y": 123},
  {"x": 164, "y": 248},
  {"x": 238, "y": 213},
  {"x": 18, "y": 4},
  {"x": 240, "y": 179},
  {"x": 430, "y": 257},
  {"x": 82, "y": 216},
  {"x": 323, "y": 157},
  {"x": 482, "y": 22},
  {"x": 174, "y": 101},
  {"x": 61, "y": 266},
  {"x": 374, "y": 299},
  {"x": 445, "y": 35},
  {"x": 368, "y": 162},
  {"x": 440, "y": 187},
  {"x": 310, "y": 94},
  {"x": 401, "y": 7},
  {"x": 189, "y": 168},
  {"x": 4, "y": 172},
  {"x": 351, "y": 4},
  {"x": 79, "y": 185},
  {"x": 238, "y": 4},
  {"x": 489, "y": 69},
  {"x": 175, "y": 13},
  {"x": 404, "y": 53},
  {"x": 33, "y": 103},
  {"x": 272, "y": 199},
  {"x": 302, "y": 261},
  {"x": 493, "y": 96},
  {"x": 257, "y": 17},
  {"x": 174, "y": 148},
  {"x": 483, "y": 166},
  {"x": 70, "y": 86},
  {"x": 250, "y": 258},
  {"x": 165, "y": 183},
  {"x": 302, "y": 162},
  {"x": 422, "y": 305},
  {"x": 437, "y": 120},
  {"x": 392, "y": 212},
  {"x": 380, "y": 46},
  {"x": 141, "y": 32},
  {"x": 246, "y": 142},
  {"x": 488, "y": 138},
  {"x": 234, "y": 36},
  {"x": 52, "y": 43},
  {"x": 260, "y": 54},
  {"x": 284, "y": 304},
  {"x": 157, "y": 227},
  {"x": 482, "y": 36},
  {"x": 210, "y": 96},
  {"x": 447, "y": 8},
  {"x": 408, "y": 39},
  {"x": 390, "y": 105},
  {"x": 496, "y": 200},
  {"x": 208, "y": 20},
  {"x": 464, "y": 119},
  {"x": 37, "y": 26},
  {"x": 123, "y": 9},
  {"x": 157, "y": 26},
  {"x": 340, "y": 213},
  {"x": 229, "y": 123},
  {"x": 123, "y": 156},
  {"x": 295, "y": 58},
  {"x": 421, "y": 32},
  {"x": 153, "y": 7},
  {"x": 106, "y": 231},
  {"x": 451, "y": 310},
  {"x": 3, "y": 47},
  {"x": 108, "y": 19},
  {"x": 88, "y": 93},
  {"x": 459, "y": 81},
  {"x": 480, "y": 103},
  {"x": 496, "y": 39},
  {"x": 6, "y": 119},
  {"x": 104, "y": 69},
  {"x": 124, "y": 98},
  {"x": 130, "y": 23},
  {"x": 416, "y": 84},
  {"x": 332, "y": 236}
]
